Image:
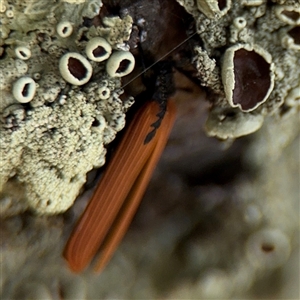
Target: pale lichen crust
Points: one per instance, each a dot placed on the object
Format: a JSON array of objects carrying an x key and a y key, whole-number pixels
[
  {"x": 248, "y": 58},
  {"x": 59, "y": 106}
]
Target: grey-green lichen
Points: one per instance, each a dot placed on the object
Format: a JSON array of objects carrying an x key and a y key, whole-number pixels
[
  {"x": 52, "y": 131},
  {"x": 272, "y": 27},
  {"x": 116, "y": 31},
  {"x": 232, "y": 123}
]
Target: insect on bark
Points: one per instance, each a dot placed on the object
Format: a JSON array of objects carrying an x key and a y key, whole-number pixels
[{"x": 117, "y": 197}]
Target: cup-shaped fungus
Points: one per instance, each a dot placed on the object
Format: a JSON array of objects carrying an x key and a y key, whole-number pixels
[
  {"x": 75, "y": 68},
  {"x": 98, "y": 49},
  {"x": 103, "y": 92},
  {"x": 24, "y": 89},
  {"x": 214, "y": 9},
  {"x": 247, "y": 75},
  {"x": 239, "y": 23},
  {"x": 23, "y": 52},
  {"x": 64, "y": 29},
  {"x": 121, "y": 63}
]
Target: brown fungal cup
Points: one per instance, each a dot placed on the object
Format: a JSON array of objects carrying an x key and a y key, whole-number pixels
[
  {"x": 75, "y": 68},
  {"x": 247, "y": 75}
]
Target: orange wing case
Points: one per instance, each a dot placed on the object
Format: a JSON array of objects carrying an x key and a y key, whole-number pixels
[{"x": 117, "y": 197}]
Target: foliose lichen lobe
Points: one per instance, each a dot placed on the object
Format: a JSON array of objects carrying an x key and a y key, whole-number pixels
[
  {"x": 56, "y": 116},
  {"x": 235, "y": 34}
]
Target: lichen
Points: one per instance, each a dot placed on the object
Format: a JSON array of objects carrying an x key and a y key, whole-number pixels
[
  {"x": 227, "y": 123},
  {"x": 272, "y": 27},
  {"x": 213, "y": 9},
  {"x": 117, "y": 30},
  {"x": 247, "y": 76},
  {"x": 220, "y": 226},
  {"x": 58, "y": 131}
]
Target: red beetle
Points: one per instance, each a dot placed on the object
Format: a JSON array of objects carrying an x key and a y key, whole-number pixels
[{"x": 117, "y": 197}]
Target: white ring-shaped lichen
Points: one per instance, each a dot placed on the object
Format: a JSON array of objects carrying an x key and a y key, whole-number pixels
[
  {"x": 120, "y": 63},
  {"x": 75, "y": 68},
  {"x": 24, "y": 89},
  {"x": 268, "y": 248},
  {"x": 23, "y": 52},
  {"x": 239, "y": 23},
  {"x": 10, "y": 13},
  {"x": 37, "y": 76},
  {"x": 98, "y": 49},
  {"x": 247, "y": 75},
  {"x": 103, "y": 92},
  {"x": 64, "y": 29},
  {"x": 2, "y": 7}
]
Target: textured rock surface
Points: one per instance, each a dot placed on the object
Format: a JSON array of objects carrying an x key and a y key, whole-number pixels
[{"x": 219, "y": 219}]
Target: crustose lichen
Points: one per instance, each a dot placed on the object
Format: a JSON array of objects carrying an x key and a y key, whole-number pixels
[{"x": 58, "y": 108}]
